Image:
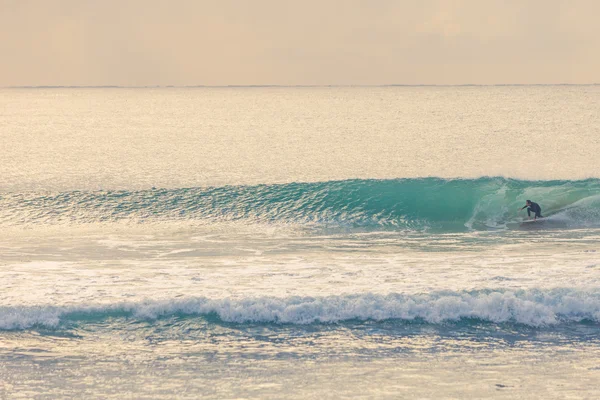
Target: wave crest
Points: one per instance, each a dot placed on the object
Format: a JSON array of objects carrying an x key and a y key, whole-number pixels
[{"x": 529, "y": 307}]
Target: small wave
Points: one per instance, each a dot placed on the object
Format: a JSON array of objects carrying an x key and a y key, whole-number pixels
[{"x": 529, "y": 307}]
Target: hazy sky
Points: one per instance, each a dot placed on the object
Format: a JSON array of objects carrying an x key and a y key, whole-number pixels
[{"x": 228, "y": 42}]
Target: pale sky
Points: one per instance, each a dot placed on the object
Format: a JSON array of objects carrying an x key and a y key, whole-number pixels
[{"x": 308, "y": 42}]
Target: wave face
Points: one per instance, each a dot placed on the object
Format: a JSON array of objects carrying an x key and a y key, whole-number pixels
[
  {"x": 410, "y": 204},
  {"x": 528, "y": 307}
]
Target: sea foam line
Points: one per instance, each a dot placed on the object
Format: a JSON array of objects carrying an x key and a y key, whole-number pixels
[{"x": 529, "y": 307}]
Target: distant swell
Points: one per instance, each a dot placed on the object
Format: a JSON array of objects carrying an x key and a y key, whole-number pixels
[
  {"x": 405, "y": 204},
  {"x": 529, "y": 307}
]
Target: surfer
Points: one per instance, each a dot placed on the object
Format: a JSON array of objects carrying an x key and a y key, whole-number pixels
[{"x": 532, "y": 208}]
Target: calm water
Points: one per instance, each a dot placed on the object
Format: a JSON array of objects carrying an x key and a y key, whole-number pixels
[{"x": 300, "y": 242}]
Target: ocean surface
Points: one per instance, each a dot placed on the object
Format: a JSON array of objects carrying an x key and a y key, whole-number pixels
[{"x": 299, "y": 242}]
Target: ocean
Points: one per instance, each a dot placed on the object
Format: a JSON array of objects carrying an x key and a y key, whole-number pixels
[{"x": 300, "y": 242}]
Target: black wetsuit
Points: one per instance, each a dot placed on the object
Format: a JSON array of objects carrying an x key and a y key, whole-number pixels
[{"x": 535, "y": 209}]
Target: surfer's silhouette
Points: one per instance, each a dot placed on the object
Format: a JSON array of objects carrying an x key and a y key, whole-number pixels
[{"x": 532, "y": 208}]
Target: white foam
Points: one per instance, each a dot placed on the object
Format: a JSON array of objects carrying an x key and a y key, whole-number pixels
[{"x": 532, "y": 307}]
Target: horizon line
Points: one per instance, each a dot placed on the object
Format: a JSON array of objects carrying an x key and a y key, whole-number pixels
[{"x": 287, "y": 86}]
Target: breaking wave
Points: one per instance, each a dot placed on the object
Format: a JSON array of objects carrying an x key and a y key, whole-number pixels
[
  {"x": 528, "y": 307},
  {"x": 410, "y": 204}
]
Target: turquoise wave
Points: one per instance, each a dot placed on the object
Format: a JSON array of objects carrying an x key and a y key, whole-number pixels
[{"x": 410, "y": 204}]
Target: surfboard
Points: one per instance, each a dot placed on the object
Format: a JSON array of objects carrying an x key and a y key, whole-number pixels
[{"x": 533, "y": 223}]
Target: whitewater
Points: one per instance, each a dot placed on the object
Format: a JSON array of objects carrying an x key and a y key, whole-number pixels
[{"x": 290, "y": 242}]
